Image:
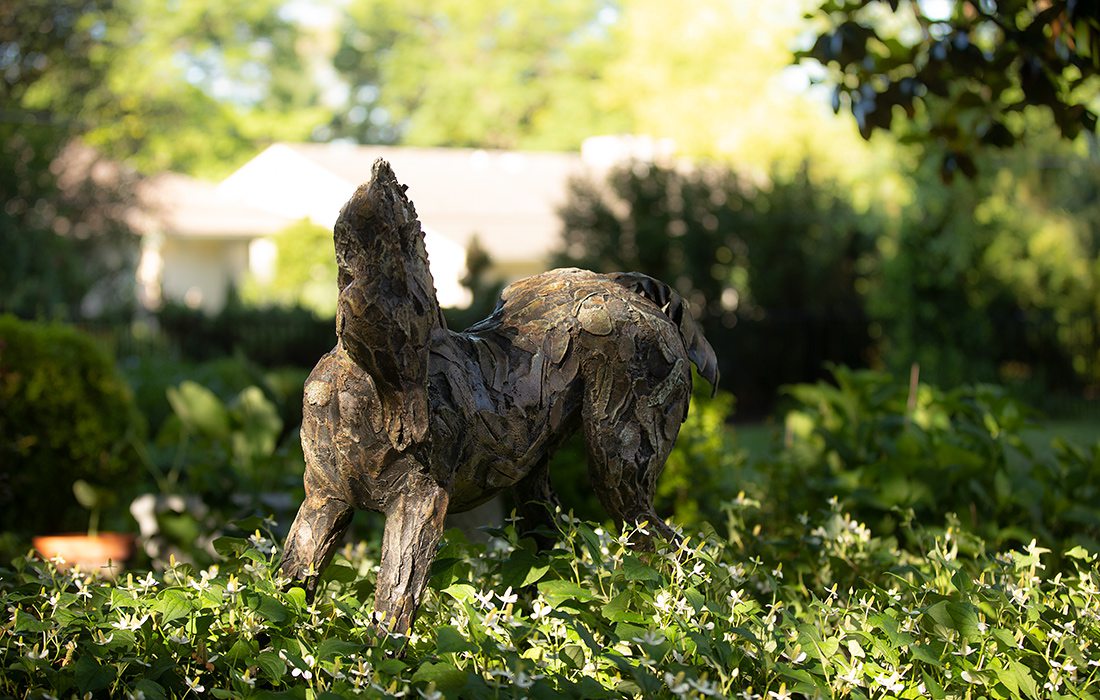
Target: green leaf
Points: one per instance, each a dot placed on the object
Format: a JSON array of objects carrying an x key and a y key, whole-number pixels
[
  {"x": 332, "y": 647},
  {"x": 950, "y": 614},
  {"x": 1079, "y": 552},
  {"x": 462, "y": 592},
  {"x": 340, "y": 573},
  {"x": 573, "y": 656},
  {"x": 935, "y": 690},
  {"x": 924, "y": 653},
  {"x": 618, "y": 610},
  {"x": 392, "y": 667},
  {"x": 445, "y": 676},
  {"x": 297, "y": 597},
  {"x": 635, "y": 570},
  {"x": 199, "y": 409},
  {"x": 172, "y": 605},
  {"x": 1022, "y": 676},
  {"x": 558, "y": 591},
  {"x": 269, "y": 607},
  {"x": 150, "y": 689},
  {"x": 91, "y": 676},
  {"x": 450, "y": 641},
  {"x": 124, "y": 599},
  {"x": 270, "y": 663},
  {"x": 230, "y": 546},
  {"x": 522, "y": 569}
]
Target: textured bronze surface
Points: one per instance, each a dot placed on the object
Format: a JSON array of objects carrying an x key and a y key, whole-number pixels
[{"x": 410, "y": 419}]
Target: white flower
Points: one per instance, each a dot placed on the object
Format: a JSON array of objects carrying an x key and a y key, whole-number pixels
[
  {"x": 148, "y": 582},
  {"x": 130, "y": 622},
  {"x": 892, "y": 682},
  {"x": 193, "y": 684},
  {"x": 430, "y": 694},
  {"x": 663, "y": 601},
  {"x": 539, "y": 609},
  {"x": 508, "y": 598},
  {"x": 233, "y": 586},
  {"x": 247, "y": 678},
  {"x": 854, "y": 674},
  {"x": 523, "y": 681},
  {"x": 705, "y": 687},
  {"x": 82, "y": 589},
  {"x": 485, "y": 599},
  {"x": 259, "y": 541},
  {"x": 782, "y": 694},
  {"x": 650, "y": 638},
  {"x": 676, "y": 683}
]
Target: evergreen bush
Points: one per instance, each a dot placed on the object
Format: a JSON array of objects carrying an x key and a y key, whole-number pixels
[{"x": 65, "y": 414}]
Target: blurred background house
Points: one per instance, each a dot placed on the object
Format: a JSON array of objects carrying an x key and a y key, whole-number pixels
[{"x": 201, "y": 240}]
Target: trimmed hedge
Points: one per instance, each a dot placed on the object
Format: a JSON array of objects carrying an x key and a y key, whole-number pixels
[{"x": 65, "y": 414}]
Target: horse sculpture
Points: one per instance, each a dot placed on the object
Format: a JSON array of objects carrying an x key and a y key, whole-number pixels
[{"x": 413, "y": 420}]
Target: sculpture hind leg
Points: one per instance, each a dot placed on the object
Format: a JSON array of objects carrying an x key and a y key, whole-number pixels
[
  {"x": 536, "y": 504},
  {"x": 630, "y": 426}
]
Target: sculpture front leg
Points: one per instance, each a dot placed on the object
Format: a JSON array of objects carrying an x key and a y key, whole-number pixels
[
  {"x": 314, "y": 537},
  {"x": 414, "y": 525}
]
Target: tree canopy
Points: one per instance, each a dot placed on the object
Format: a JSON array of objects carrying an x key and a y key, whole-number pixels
[
  {"x": 494, "y": 73},
  {"x": 966, "y": 73}
]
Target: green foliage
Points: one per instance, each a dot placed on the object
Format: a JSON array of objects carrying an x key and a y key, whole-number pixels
[
  {"x": 305, "y": 271},
  {"x": 219, "y": 459},
  {"x": 966, "y": 76},
  {"x": 67, "y": 249},
  {"x": 591, "y": 618},
  {"x": 65, "y": 415},
  {"x": 491, "y": 74},
  {"x": 152, "y": 374},
  {"x": 1012, "y": 255},
  {"x": 269, "y": 336},
  {"x": 892, "y": 453},
  {"x": 195, "y": 86}
]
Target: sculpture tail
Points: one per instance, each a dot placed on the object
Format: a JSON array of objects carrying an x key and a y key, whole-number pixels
[
  {"x": 387, "y": 310},
  {"x": 676, "y": 308}
]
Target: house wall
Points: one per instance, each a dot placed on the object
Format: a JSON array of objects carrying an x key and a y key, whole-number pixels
[{"x": 199, "y": 272}]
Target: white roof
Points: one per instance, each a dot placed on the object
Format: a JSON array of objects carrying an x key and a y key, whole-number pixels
[{"x": 509, "y": 199}]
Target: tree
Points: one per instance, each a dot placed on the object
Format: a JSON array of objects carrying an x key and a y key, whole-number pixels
[
  {"x": 62, "y": 224},
  {"x": 492, "y": 74},
  {"x": 195, "y": 86},
  {"x": 966, "y": 78}
]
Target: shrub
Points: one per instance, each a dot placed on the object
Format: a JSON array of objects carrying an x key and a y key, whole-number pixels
[
  {"x": 218, "y": 460},
  {"x": 892, "y": 451},
  {"x": 269, "y": 336},
  {"x": 65, "y": 414}
]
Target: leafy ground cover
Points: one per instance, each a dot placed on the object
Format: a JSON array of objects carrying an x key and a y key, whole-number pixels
[
  {"x": 894, "y": 542},
  {"x": 827, "y": 610}
]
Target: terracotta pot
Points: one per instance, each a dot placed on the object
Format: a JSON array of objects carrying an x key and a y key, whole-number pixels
[{"x": 105, "y": 552}]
